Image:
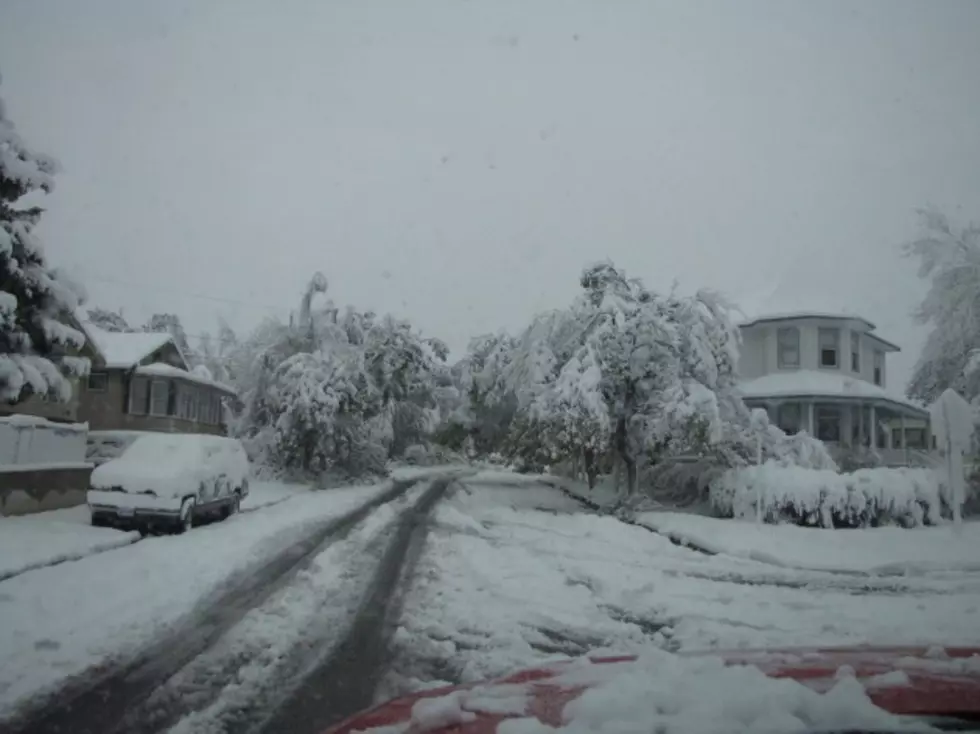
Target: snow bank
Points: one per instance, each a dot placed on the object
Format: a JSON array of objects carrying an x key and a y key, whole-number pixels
[
  {"x": 873, "y": 551},
  {"x": 825, "y": 498},
  {"x": 34, "y": 541}
]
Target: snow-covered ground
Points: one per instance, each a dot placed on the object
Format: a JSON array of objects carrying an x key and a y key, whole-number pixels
[
  {"x": 60, "y": 620},
  {"x": 33, "y": 541},
  {"x": 514, "y": 575},
  {"x": 265, "y": 493},
  {"x": 873, "y": 551}
]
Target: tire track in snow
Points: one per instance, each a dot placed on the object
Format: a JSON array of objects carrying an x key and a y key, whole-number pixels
[
  {"x": 346, "y": 681},
  {"x": 99, "y": 700}
]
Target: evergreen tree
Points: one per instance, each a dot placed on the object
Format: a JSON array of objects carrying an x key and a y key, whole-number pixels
[{"x": 35, "y": 341}]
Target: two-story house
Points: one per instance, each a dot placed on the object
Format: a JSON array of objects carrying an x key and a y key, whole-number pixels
[{"x": 827, "y": 374}]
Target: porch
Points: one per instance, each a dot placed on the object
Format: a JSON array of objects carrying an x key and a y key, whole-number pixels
[{"x": 900, "y": 434}]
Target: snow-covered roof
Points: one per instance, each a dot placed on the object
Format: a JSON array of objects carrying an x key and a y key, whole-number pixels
[
  {"x": 820, "y": 384},
  {"x": 158, "y": 369},
  {"x": 121, "y": 350}
]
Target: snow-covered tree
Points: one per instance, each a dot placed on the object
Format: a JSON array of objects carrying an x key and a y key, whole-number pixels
[
  {"x": 623, "y": 377},
  {"x": 169, "y": 323},
  {"x": 35, "y": 342},
  {"x": 215, "y": 352},
  {"x": 335, "y": 389},
  {"x": 108, "y": 320},
  {"x": 949, "y": 258}
]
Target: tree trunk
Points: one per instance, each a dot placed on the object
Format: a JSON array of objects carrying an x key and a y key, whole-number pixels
[{"x": 591, "y": 469}]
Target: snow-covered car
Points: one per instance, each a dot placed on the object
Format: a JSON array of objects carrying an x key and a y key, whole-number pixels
[
  {"x": 880, "y": 689},
  {"x": 168, "y": 481}
]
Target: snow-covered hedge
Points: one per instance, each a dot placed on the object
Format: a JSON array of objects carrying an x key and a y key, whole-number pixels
[{"x": 825, "y": 498}]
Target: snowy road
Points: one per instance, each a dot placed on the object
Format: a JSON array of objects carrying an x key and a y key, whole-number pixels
[
  {"x": 239, "y": 653},
  {"x": 347, "y": 597}
]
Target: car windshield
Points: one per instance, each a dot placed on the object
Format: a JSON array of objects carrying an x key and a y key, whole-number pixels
[{"x": 433, "y": 366}]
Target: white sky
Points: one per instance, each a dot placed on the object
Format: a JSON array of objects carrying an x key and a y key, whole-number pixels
[{"x": 459, "y": 161}]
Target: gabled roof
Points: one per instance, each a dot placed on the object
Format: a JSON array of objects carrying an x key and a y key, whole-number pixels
[{"x": 122, "y": 350}]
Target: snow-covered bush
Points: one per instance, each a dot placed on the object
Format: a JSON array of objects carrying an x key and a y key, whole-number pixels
[{"x": 867, "y": 497}]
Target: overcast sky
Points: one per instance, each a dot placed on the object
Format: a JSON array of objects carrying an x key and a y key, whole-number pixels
[{"x": 459, "y": 161}]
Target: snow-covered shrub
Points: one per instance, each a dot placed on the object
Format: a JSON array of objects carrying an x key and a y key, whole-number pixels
[{"x": 867, "y": 497}]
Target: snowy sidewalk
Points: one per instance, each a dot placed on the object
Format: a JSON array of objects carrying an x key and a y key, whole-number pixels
[
  {"x": 34, "y": 541},
  {"x": 875, "y": 551},
  {"x": 30, "y": 542}
]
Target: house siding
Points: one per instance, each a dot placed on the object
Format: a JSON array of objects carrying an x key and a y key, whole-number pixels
[
  {"x": 752, "y": 356},
  {"x": 759, "y": 354},
  {"x": 107, "y": 411}
]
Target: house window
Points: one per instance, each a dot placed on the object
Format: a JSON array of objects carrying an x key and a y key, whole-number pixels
[
  {"x": 879, "y": 368},
  {"x": 788, "y": 417},
  {"x": 828, "y": 423},
  {"x": 160, "y": 403},
  {"x": 139, "y": 393},
  {"x": 915, "y": 438},
  {"x": 97, "y": 382},
  {"x": 855, "y": 352},
  {"x": 788, "y": 347},
  {"x": 829, "y": 347}
]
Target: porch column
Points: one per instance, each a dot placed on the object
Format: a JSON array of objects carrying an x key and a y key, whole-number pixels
[
  {"x": 902, "y": 440},
  {"x": 889, "y": 439},
  {"x": 862, "y": 434},
  {"x": 846, "y": 413},
  {"x": 809, "y": 419},
  {"x": 874, "y": 428}
]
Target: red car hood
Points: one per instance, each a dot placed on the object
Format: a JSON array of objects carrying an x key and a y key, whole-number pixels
[{"x": 926, "y": 682}]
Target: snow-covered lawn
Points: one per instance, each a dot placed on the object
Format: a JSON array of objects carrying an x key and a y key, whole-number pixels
[
  {"x": 58, "y": 621},
  {"x": 33, "y": 541},
  {"x": 502, "y": 586},
  {"x": 873, "y": 551}
]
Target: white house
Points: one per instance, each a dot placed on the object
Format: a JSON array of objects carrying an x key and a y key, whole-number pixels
[{"x": 827, "y": 374}]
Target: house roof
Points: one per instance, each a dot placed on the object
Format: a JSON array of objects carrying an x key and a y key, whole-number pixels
[
  {"x": 122, "y": 350},
  {"x": 786, "y": 315},
  {"x": 158, "y": 369},
  {"x": 821, "y": 384}
]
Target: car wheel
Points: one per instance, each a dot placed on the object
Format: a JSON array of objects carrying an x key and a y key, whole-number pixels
[{"x": 186, "y": 519}]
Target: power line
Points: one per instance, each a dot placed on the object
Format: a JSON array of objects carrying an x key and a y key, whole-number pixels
[{"x": 190, "y": 294}]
